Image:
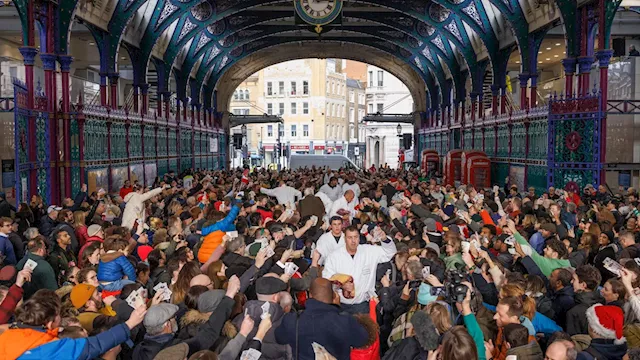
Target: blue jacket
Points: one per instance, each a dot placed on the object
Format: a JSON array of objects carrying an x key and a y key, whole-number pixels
[
  {"x": 225, "y": 224},
  {"x": 79, "y": 349},
  {"x": 537, "y": 242},
  {"x": 6, "y": 248},
  {"x": 114, "y": 266},
  {"x": 541, "y": 323},
  {"x": 346, "y": 332}
]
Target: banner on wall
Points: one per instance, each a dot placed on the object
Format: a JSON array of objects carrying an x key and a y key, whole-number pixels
[{"x": 213, "y": 145}]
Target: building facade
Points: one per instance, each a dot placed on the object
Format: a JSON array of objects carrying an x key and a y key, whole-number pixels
[
  {"x": 385, "y": 94},
  {"x": 311, "y": 97}
]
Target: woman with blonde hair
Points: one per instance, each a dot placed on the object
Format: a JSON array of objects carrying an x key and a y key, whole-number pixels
[
  {"x": 181, "y": 287},
  {"x": 80, "y": 227},
  {"x": 440, "y": 316}
]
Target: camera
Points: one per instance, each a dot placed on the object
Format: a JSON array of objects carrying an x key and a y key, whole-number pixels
[{"x": 453, "y": 290}]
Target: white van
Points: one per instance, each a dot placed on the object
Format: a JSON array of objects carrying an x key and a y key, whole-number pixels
[{"x": 334, "y": 162}]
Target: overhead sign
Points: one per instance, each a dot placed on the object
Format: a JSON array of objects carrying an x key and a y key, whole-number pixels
[{"x": 213, "y": 145}]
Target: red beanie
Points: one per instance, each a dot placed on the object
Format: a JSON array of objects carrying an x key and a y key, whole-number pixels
[
  {"x": 143, "y": 252},
  {"x": 607, "y": 321}
]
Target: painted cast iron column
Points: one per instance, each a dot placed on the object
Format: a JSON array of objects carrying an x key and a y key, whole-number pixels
[
  {"x": 495, "y": 91},
  {"x": 160, "y": 104},
  {"x": 534, "y": 90},
  {"x": 604, "y": 57},
  {"x": 29, "y": 55},
  {"x": 80, "y": 117},
  {"x": 503, "y": 99},
  {"x": 144, "y": 90},
  {"x": 113, "y": 82},
  {"x": 480, "y": 106},
  {"x": 136, "y": 103},
  {"x": 49, "y": 65},
  {"x": 524, "y": 79},
  {"x": 103, "y": 90},
  {"x": 474, "y": 104},
  {"x": 65, "y": 66},
  {"x": 569, "y": 65},
  {"x": 584, "y": 66}
]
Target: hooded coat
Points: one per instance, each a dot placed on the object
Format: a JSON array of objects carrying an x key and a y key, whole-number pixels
[
  {"x": 530, "y": 351},
  {"x": 576, "y": 321},
  {"x": 270, "y": 348}
]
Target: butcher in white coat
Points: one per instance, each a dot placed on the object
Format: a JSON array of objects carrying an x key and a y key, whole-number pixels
[
  {"x": 346, "y": 202},
  {"x": 286, "y": 195},
  {"x": 332, "y": 189},
  {"x": 331, "y": 240},
  {"x": 361, "y": 263}
]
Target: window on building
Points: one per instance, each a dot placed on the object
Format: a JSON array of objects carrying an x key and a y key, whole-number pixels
[
  {"x": 352, "y": 115},
  {"x": 281, "y": 108},
  {"x": 352, "y": 131},
  {"x": 332, "y": 110},
  {"x": 246, "y": 94},
  {"x": 305, "y": 130},
  {"x": 380, "y": 108},
  {"x": 294, "y": 130},
  {"x": 269, "y": 130},
  {"x": 305, "y": 108},
  {"x": 269, "y": 88},
  {"x": 305, "y": 88},
  {"x": 281, "y": 130},
  {"x": 294, "y": 88},
  {"x": 294, "y": 108},
  {"x": 380, "y": 78},
  {"x": 281, "y": 88},
  {"x": 270, "y": 109},
  {"x": 371, "y": 78},
  {"x": 235, "y": 95},
  {"x": 352, "y": 96},
  {"x": 370, "y": 108}
]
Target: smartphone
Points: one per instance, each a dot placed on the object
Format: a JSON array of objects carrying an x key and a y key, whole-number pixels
[
  {"x": 438, "y": 291},
  {"x": 414, "y": 284}
]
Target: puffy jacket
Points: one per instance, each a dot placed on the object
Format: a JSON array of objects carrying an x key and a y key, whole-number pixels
[
  {"x": 25, "y": 343},
  {"x": 225, "y": 224},
  {"x": 82, "y": 235},
  {"x": 114, "y": 266},
  {"x": 209, "y": 244},
  {"x": 47, "y": 225}
]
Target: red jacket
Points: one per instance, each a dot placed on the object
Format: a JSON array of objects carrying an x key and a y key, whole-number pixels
[
  {"x": 125, "y": 190},
  {"x": 8, "y": 305},
  {"x": 82, "y": 235}
]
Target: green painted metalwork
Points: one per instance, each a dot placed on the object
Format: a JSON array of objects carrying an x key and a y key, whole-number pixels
[
  {"x": 538, "y": 144},
  {"x": 468, "y": 137},
  {"x": 489, "y": 142},
  {"x": 537, "y": 177},
  {"x": 518, "y": 141},
  {"x": 503, "y": 141},
  {"x": 75, "y": 154},
  {"x": 569, "y": 13},
  {"x": 477, "y": 139},
  {"x": 42, "y": 154},
  {"x": 499, "y": 172}
]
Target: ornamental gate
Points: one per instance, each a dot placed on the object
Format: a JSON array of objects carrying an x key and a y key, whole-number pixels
[{"x": 574, "y": 140}]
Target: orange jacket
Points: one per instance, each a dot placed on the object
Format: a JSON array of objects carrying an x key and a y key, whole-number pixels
[
  {"x": 15, "y": 342},
  {"x": 209, "y": 245}
]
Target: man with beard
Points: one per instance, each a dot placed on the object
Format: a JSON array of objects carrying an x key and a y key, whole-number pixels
[
  {"x": 87, "y": 300},
  {"x": 62, "y": 257}
]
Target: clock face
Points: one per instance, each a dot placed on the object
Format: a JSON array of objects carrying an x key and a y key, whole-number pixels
[{"x": 318, "y": 12}]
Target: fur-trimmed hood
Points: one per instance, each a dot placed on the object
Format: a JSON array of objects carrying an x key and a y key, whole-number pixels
[{"x": 196, "y": 318}]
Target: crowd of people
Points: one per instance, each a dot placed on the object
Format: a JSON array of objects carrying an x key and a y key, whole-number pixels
[{"x": 321, "y": 264}]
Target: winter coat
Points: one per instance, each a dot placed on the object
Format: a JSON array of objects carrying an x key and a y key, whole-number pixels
[
  {"x": 6, "y": 208},
  {"x": 193, "y": 321},
  {"x": 453, "y": 261},
  {"x": 114, "y": 266},
  {"x": 236, "y": 264},
  {"x": 25, "y": 343},
  {"x": 135, "y": 206},
  {"x": 346, "y": 332},
  {"x": 60, "y": 260},
  {"x": 207, "y": 335},
  {"x": 72, "y": 234},
  {"x": 544, "y": 306},
  {"x": 562, "y": 301},
  {"x": 603, "y": 349},
  {"x": 576, "y": 321},
  {"x": 225, "y": 224},
  {"x": 43, "y": 276},
  {"x": 531, "y": 351},
  {"x": 6, "y": 249},
  {"x": 270, "y": 348},
  {"x": 608, "y": 251},
  {"x": 18, "y": 245},
  {"x": 311, "y": 205},
  {"x": 577, "y": 258},
  {"x": 82, "y": 235},
  {"x": 47, "y": 225},
  {"x": 407, "y": 349}
]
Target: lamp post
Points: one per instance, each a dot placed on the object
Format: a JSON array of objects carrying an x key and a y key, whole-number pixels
[
  {"x": 245, "y": 146},
  {"x": 400, "y": 147}
]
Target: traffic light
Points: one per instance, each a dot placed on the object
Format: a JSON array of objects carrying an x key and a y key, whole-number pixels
[
  {"x": 407, "y": 140},
  {"x": 237, "y": 141},
  {"x": 262, "y": 153}
]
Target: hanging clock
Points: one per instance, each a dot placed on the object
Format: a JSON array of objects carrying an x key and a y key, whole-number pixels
[{"x": 318, "y": 12}]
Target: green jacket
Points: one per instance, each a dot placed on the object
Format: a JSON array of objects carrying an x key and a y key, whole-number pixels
[
  {"x": 546, "y": 265},
  {"x": 453, "y": 260},
  {"x": 43, "y": 276},
  {"x": 474, "y": 330}
]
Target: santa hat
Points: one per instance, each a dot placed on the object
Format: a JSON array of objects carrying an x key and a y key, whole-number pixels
[
  {"x": 607, "y": 321},
  {"x": 245, "y": 176},
  {"x": 202, "y": 197}
]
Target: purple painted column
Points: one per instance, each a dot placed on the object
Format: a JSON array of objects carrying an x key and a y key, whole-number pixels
[
  {"x": 49, "y": 65},
  {"x": 604, "y": 57},
  {"x": 534, "y": 90},
  {"x": 65, "y": 66},
  {"x": 569, "y": 65},
  {"x": 113, "y": 82},
  {"x": 103, "y": 90},
  {"x": 160, "y": 104},
  {"x": 29, "y": 55},
  {"x": 524, "y": 79},
  {"x": 503, "y": 99},
  {"x": 495, "y": 92},
  {"x": 144, "y": 90},
  {"x": 136, "y": 100},
  {"x": 584, "y": 66}
]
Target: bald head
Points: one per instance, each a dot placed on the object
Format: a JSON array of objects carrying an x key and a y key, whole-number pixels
[
  {"x": 201, "y": 279},
  {"x": 349, "y": 195},
  {"x": 322, "y": 290},
  {"x": 561, "y": 350}
]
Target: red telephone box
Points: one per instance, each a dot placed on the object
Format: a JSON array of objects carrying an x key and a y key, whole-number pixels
[
  {"x": 463, "y": 160},
  {"x": 430, "y": 161},
  {"x": 452, "y": 171},
  {"x": 477, "y": 171}
]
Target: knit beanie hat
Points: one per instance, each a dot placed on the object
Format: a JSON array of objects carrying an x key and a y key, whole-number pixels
[{"x": 607, "y": 321}]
